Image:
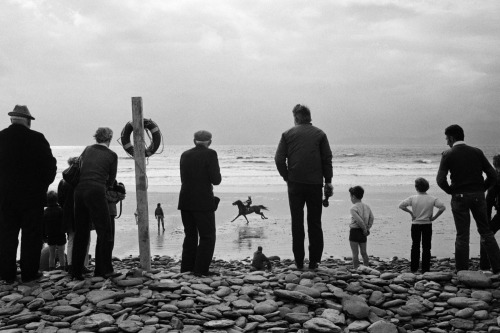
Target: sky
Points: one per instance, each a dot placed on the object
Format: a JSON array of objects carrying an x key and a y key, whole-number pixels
[{"x": 371, "y": 71}]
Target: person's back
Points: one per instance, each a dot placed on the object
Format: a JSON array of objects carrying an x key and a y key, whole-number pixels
[
  {"x": 199, "y": 170},
  {"x": 422, "y": 206},
  {"x": 27, "y": 166},
  {"x": 308, "y": 152},
  {"x": 99, "y": 166},
  {"x": 53, "y": 224},
  {"x": 466, "y": 165}
]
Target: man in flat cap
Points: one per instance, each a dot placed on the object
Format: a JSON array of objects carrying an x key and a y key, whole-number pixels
[
  {"x": 27, "y": 168},
  {"x": 200, "y": 170}
]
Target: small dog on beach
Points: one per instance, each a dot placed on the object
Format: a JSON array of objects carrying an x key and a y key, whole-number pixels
[{"x": 244, "y": 210}]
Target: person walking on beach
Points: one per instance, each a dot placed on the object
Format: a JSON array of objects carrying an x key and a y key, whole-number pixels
[
  {"x": 199, "y": 168},
  {"x": 422, "y": 207},
  {"x": 54, "y": 234},
  {"x": 359, "y": 229},
  {"x": 98, "y": 172},
  {"x": 27, "y": 168},
  {"x": 304, "y": 159},
  {"x": 466, "y": 165},
  {"x": 159, "y": 216},
  {"x": 492, "y": 200}
]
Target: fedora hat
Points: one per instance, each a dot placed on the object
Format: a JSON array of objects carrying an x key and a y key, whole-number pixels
[{"x": 21, "y": 111}]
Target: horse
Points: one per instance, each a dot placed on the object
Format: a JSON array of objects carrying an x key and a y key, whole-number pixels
[{"x": 243, "y": 210}]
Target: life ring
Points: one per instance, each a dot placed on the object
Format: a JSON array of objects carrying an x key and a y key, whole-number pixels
[{"x": 150, "y": 126}]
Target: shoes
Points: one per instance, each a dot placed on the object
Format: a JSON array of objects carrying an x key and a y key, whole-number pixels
[
  {"x": 313, "y": 265},
  {"x": 111, "y": 275},
  {"x": 85, "y": 270},
  {"x": 209, "y": 273},
  {"x": 32, "y": 278}
]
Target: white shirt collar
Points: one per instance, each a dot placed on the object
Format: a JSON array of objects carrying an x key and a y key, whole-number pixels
[{"x": 458, "y": 143}]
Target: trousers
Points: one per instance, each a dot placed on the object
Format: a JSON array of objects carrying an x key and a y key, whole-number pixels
[
  {"x": 29, "y": 221},
  {"x": 199, "y": 241},
  {"x": 309, "y": 195},
  {"x": 421, "y": 233},
  {"x": 462, "y": 205},
  {"x": 91, "y": 206}
]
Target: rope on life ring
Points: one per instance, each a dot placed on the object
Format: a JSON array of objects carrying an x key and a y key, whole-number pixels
[{"x": 149, "y": 127}]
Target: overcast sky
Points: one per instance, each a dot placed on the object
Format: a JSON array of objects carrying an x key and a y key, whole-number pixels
[{"x": 371, "y": 71}]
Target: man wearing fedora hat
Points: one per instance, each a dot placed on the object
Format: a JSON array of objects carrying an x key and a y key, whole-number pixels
[
  {"x": 200, "y": 170},
  {"x": 27, "y": 168}
]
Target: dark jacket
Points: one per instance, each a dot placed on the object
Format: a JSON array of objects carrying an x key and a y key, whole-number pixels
[
  {"x": 53, "y": 226},
  {"x": 304, "y": 155},
  {"x": 158, "y": 211},
  {"x": 27, "y": 167},
  {"x": 65, "y": 198},
  {"x": 200, "y": 170},
  {"x": 466, "y": 165},
  {"x": 99, "y": 166}
]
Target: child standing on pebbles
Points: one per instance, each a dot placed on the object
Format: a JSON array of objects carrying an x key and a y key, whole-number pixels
[
  {"x": 361, "y": 222},
  {"x": 53, "y": 227},
  {"x": 422, "y": 207}
]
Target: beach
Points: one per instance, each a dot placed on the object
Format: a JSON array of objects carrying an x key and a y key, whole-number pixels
[
  {"x": 387, "y": 173},
  {"x": 390, "y": 235}
]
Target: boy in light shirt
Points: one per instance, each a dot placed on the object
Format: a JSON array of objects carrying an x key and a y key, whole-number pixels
[{"x": 422, "y": 209}]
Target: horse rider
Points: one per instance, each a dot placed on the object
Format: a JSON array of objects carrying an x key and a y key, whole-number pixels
[{"x": 248, "y": 203}]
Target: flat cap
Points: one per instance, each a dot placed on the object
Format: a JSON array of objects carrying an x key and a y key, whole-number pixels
[{"x": 203, "y": 136}]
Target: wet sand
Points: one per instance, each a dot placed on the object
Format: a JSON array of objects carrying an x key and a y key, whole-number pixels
[{"x": 390, "y": 234}]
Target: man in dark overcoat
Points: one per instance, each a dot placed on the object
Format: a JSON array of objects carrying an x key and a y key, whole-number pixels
[
  {"x": 27, "y": 168},
  {"x": 199, "y": 167}
]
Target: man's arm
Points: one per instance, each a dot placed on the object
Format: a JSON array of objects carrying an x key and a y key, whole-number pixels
[
  {"x": 491, "y": 198},
  {"x": 49, "y": 163},
  {"x": 404, "y": 207},
  {"x": 441, "y": 179},
  {"x": 326, "y": 160},
  {"x": 280, "y": 158},
  {"x": 214, "y": 169},
  {"x": 491, "y": 174}
]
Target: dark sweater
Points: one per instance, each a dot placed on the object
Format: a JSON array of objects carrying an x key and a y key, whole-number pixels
[
  {"x": 99, "y": 165},
  {"x": 466, "y": 165},
  {"x": 304, "y": 155},
  {"x": 53, "y": 225}
]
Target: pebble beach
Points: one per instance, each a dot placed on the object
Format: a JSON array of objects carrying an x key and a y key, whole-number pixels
[{"x": 382, "y": 298}]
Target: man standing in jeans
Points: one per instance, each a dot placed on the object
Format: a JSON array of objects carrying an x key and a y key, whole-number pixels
[
  {"x": 466, "y": 165},
  {"x": 304, "y": 159}
]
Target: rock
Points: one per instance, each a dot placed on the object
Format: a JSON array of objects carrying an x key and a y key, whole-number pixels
[
  {"x": 358, "y": 325},
  {"x": 462, "y": 324},
  {"x": 133, "y": 301},
  {"x": 295, "y": 296},
  {"x": 382, "y": 326},
  {"x": 96, "y": 296},
  {"x": 437, "y": 276},
  {"x": 265, "y": 307},
  {"x": 356, "y": 307},
  {"x": 465, "y": 302},
  {"x": 335, "y": 316},
  {"x": 164, "y": 286},
  {"x": 322, "y": 325},
  {"x": 129, "y": 282},
  {"x": 223, "y": 323},
  {"x": 64, "y": 310},
  {"x": 297, "y": 317},
  {"x": 129, "y": 326},
  {"x": 474, "y": 279}
]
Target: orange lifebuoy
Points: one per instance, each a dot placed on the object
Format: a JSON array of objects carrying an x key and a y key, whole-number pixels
[{"x": 150, "y": 126}]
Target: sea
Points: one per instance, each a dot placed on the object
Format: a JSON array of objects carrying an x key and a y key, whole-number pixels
[
  {"x": 387, "y": 172},
  {"x": 253, "y": 166}
]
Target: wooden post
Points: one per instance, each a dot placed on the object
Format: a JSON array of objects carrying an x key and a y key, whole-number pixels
[{"x": 140, "y": 183}]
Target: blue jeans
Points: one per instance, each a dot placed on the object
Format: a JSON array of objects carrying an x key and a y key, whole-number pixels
[{"x": 462, "y": 205}]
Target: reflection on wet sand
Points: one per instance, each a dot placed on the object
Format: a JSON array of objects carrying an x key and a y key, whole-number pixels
[
  {"x": 246, "y": 235},
  {"x": 159, "y": 240}
]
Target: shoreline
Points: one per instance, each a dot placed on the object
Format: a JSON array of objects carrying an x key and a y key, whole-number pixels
[{"x": 390, "y": 233}]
